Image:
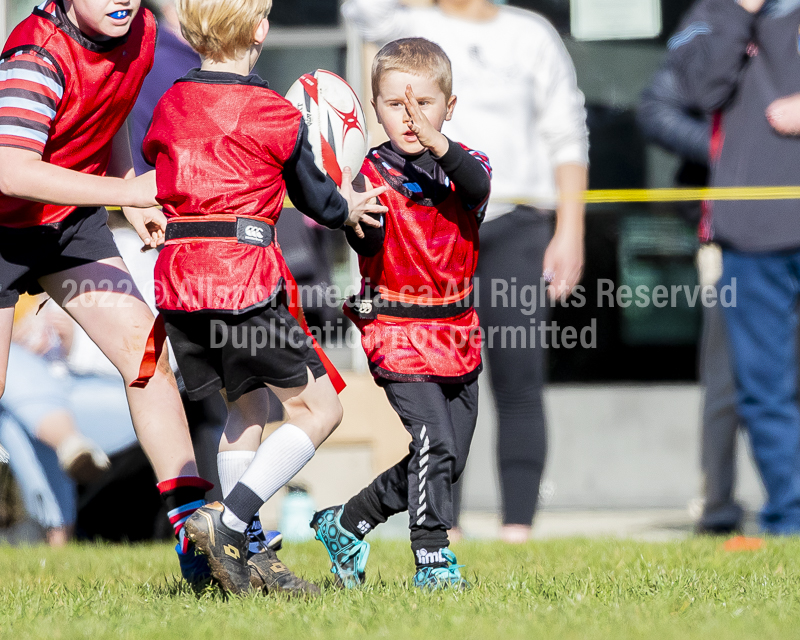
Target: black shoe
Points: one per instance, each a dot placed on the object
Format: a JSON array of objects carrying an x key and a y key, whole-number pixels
[
  {"x": 225, "y": 549},
  {"x": 267, "y": 572}
]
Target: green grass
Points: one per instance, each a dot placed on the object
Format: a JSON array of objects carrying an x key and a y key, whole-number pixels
[{"x": 558, "y": 589}]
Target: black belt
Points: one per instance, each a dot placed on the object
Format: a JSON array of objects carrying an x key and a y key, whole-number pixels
[
  {"x": 245, "y": 230},
  {"x": 369, "y": 305}
]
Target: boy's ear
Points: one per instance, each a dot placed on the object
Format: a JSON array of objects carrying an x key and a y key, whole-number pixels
[
  {"x": 451, "y": 105},
  {"x": 262, "y": 29}
]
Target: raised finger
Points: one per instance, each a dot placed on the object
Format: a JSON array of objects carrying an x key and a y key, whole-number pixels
[
  {"x": 370, "y": 221},
  {"x": 374, "y": 193}
]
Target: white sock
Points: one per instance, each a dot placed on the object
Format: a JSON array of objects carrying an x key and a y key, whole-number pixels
[
  {"x": 277, "y": 461},
  {"x": 230, "y": 466}
]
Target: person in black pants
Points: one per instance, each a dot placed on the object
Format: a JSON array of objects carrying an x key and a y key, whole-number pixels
[{"x": 517, "y": 372}]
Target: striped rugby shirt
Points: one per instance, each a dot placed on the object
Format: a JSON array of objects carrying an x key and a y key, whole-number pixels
[
  {"x": 30, "y": 93},
  {"x": 65, "y": 96}
]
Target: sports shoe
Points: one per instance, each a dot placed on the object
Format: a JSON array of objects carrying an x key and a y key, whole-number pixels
[
  {"x": 348, "y": 554},
  {"x": 82, "y": 459},
  {"x": 225, "y": 549},
  {"x": 194, "y": 567},
  {"x": 258, "y": 539},
  {"x": 267, "y": 572},
  {"x": 448, "y": 577}
]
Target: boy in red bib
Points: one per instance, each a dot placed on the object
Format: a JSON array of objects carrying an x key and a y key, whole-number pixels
[
  {"x": 415, "y": 314},
  {"x": 227, "y": 150},
  {"x": 69, "y": 76}
]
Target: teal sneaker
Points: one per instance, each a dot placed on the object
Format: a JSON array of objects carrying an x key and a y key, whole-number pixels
[
  {"x": 348, "y": 554},
  {"x": 448, "y": 577}
]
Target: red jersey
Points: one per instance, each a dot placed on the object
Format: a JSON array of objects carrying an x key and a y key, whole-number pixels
[
  {"x": 85, "y": 91},
  {"x": 415, "y": 312},
  {"x": 227, "y": 147}
]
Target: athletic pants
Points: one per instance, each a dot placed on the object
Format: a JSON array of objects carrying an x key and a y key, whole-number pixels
[
  {"x": 441, "y": 420},
  {"x": 512, "y": 252}
]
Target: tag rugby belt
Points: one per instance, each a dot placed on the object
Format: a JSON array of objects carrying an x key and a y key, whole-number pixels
[
  {"x": 246, "y": 230},
  {"x": 372, "y": 303}
]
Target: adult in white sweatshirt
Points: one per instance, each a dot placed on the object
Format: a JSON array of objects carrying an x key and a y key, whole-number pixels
[{"x": 518, "y": 102}]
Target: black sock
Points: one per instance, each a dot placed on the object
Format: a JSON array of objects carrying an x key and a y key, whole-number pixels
[
  {"x": 360, "y": 515},
  {"x": 427, "y": 546}
]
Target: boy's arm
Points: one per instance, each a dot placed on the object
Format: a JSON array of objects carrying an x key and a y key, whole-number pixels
[
  {"x": 24, "y": 175},
  {"x": 311, "y": 191},
  {"x": 150, "y": 223},
  {"x": 710, "y": 50},
  {"x": 314, "y": 194},
  {"x": 470, "y": 172}
]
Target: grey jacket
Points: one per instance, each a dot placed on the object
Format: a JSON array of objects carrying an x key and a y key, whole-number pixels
[{"x": 737, "y": 63}]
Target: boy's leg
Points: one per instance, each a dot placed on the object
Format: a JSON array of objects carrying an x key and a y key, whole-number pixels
[
  {"x": 119, "y": 322},
  {"x": 6, "y": 324},
  {"x": 314, "y": 411},
  {"x": 102, "y": 298},
  {"x": 423, "y": 408},
  {"x": 388, "y": 493},
  {"x": 463, "y": 399},
  {"x": 375, "y": 504}
]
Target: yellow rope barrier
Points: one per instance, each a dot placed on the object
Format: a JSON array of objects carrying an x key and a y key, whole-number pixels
[
  {"x": 605, "y": 196},
  {"x": 611, "y": 196}
]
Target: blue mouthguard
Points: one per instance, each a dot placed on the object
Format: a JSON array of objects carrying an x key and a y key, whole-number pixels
[{"x": 118, "y": 15}]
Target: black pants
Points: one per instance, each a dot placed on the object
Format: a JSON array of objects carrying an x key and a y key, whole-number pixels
[
  {"x": 512, "y": 251},
  {"x": 441, "y": 420}
]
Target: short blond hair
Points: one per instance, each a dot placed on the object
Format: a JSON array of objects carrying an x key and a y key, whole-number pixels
[
  {"x": 221, "y": 29},
  {"x": 417, "y": 56}
]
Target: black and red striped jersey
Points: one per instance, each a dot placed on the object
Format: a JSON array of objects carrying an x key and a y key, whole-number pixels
[{"x": 65, "y": 96}]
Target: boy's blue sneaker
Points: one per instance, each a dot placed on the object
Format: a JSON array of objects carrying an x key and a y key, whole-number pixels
[
  {"x": 194, "y": 567},
  {"x": 448, "y": 577},
  {"x": 258, "y": 539},
  {"x": 348, "y": 554}
]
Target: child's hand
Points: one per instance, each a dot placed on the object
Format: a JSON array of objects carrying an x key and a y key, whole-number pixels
[
  {"x": 784, "y": 115},
  {"x": 360, "y": 205},
  {"x": 149, "y": 223},
  {"x": 418, "y": 122},
  {"x": 142, "y": 190}
]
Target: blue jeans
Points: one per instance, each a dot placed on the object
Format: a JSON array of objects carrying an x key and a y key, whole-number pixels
[{"x": 762, "y": 329}]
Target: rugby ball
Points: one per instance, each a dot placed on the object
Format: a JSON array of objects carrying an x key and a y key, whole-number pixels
[{"x": 335, "y": 120}]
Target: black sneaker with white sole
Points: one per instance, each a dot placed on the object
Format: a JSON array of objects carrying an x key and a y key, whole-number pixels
[{"x": 267, "y": 572}]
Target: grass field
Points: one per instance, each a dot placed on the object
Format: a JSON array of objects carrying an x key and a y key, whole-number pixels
[{"x": 555, "y": 589}]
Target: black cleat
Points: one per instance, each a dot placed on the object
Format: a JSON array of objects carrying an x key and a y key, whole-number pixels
[
  {"x": 267, "y": 572},
  {"x": 225, "y": 549}
]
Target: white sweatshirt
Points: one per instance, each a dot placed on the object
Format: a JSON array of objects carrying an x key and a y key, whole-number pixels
[{"x": 518, "y": 100}]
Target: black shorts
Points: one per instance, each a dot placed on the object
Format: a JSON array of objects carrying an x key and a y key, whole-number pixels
[
  {"x": 241, "y": 352},
  {"x": 30, "y": 253}
]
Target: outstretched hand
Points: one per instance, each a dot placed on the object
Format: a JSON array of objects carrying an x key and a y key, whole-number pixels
[
  {"x": 360, "y": 205},
  {"x": 428, "y": 135}
]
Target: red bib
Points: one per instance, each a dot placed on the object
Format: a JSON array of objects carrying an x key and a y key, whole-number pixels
[
  {"x": 428, "y": 259},
  {"x": 101, "y": 84}
]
